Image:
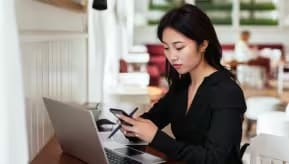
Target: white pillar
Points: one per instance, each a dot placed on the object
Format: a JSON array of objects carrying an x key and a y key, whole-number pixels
[
  {"x": 130, "y": 21},
  {"x": 13, "y": 134},
  {"x": 95, "y": 55},
  {"x": 236, "y": 14},
  {"x": 281, "y": 9}
]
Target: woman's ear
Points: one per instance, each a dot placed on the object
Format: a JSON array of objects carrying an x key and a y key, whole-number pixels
[{"x": 204, "y": 46}]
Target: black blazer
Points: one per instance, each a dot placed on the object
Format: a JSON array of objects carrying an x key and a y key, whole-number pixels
[{"x": 210, "y": 132}]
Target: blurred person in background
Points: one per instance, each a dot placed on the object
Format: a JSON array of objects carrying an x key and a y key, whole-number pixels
[{"x": 243, "y": 51}]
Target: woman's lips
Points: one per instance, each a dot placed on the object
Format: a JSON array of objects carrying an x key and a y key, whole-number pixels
[{"x": 177, "y": 66}]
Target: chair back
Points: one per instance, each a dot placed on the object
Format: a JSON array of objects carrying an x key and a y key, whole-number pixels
[
  {"x": 287, "y": 110},
  {"x": 282, "y": 77},
  {"x": 269, "y": 149},
  {"x": 251, "y": 76}
]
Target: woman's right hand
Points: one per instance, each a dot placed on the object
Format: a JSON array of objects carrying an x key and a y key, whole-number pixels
[{"x": 144, "y": 129}]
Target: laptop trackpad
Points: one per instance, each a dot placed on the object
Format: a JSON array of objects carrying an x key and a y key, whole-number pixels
[
  {"x": 138, "y": 155},
  {"x": 128, "y": 151}
]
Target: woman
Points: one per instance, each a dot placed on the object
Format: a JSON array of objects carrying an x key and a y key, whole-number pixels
[{"x": 204, "y": 104}]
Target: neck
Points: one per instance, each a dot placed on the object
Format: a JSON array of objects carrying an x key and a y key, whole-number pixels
[{"x": 198, "y": 74}]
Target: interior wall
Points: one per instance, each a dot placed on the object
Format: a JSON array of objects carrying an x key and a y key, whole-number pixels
[
  {"x": 55, "y": 69},
  {"x": 34, "y": 15},
  {"x": 54, "y": 53}
]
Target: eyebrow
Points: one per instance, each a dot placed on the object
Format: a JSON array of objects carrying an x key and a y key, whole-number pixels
[{"x": 175, "y": 42}]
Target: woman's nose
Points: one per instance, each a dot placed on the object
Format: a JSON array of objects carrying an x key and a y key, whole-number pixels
[{"x": 174, "y": 57}]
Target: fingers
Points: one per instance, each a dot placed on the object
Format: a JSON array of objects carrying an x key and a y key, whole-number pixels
[
  {"x": 128, "y": 133},
  {"x": 134, "y": 129},
  {"x": 127, "y": 119},
  {"x": 128, "y": 128},
  {"x": 141, "y": 119}
]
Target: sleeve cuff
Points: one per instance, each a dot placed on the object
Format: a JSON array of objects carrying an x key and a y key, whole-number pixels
[
  {"x": 163, "y": 143},
  {"x": 133, "y": 139}
]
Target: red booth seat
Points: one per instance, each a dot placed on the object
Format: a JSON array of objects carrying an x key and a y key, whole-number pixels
[{"x": 157, "y": 62}]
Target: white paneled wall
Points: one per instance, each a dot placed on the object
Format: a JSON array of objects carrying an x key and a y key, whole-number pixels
[{"x": 55, "y": 67}]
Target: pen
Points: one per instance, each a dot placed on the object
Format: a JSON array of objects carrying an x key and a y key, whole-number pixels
[{"x": 118, "y": 127}]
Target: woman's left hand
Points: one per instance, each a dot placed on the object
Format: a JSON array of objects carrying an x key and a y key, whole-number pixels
[{"x": 142, "y": 128}]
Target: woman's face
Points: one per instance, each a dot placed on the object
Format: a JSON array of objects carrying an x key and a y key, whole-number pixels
[{"x": 182, "y": 52}]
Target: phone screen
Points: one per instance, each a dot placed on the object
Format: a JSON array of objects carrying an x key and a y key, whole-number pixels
[{"x": 118, "y": 111}]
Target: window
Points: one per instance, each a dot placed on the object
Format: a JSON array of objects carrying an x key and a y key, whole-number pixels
[
  {"x": 157, "y": 8},
  {"x": 251, "y": 12},
  {"x": 219, "y": 11},
  {"x": 258, "y": 12}
]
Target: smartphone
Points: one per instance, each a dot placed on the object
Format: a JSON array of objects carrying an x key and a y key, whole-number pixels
[{"x": 119, "y": 112}]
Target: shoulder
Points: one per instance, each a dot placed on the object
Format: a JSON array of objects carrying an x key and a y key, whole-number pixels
[
  {"x": 226, "y": 93},
  {"x": 226, "y": 88}
]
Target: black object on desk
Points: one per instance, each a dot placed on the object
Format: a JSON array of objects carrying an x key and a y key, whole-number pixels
[
  {"x": 104, "y": 125},
  {"x": 118, "y": 127}
]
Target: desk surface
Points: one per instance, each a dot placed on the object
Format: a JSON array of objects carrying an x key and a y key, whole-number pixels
[{"x": 52, "y": 154}]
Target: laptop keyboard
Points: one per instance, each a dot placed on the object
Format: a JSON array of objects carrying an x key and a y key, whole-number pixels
[{"x": 115, "y": 158}]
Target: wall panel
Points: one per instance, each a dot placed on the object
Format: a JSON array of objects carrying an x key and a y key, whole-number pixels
[{"x": 52, "y": 68}]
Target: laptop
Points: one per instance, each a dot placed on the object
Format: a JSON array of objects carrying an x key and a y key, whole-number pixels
[{"x": 78, "y": 136}]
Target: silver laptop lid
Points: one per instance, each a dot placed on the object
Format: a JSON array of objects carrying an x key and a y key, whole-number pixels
[{"x": 72, "y": 125}]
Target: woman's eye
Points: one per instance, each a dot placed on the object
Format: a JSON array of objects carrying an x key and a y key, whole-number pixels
[
  {"x": 166, "y": 48},
  {"x": 179, "y": 48}
]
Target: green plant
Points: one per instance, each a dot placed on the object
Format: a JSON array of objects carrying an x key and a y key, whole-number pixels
[
  {"x": 258, "y": 22},
  {"x": 214, "y": 6},
  {"x": 153, "y": 22},
  {"x": 164, "y": 7},
  {"x": 161, "y": 7},
  {"x": 258, "y": 6},
  {"x": 221, "y": 21}
]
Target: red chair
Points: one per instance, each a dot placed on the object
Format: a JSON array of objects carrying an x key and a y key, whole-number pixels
[{"x": 157, "y": 63}]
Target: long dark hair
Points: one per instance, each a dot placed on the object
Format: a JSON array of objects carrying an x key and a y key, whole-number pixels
[{"x": 196, "y": 25}]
